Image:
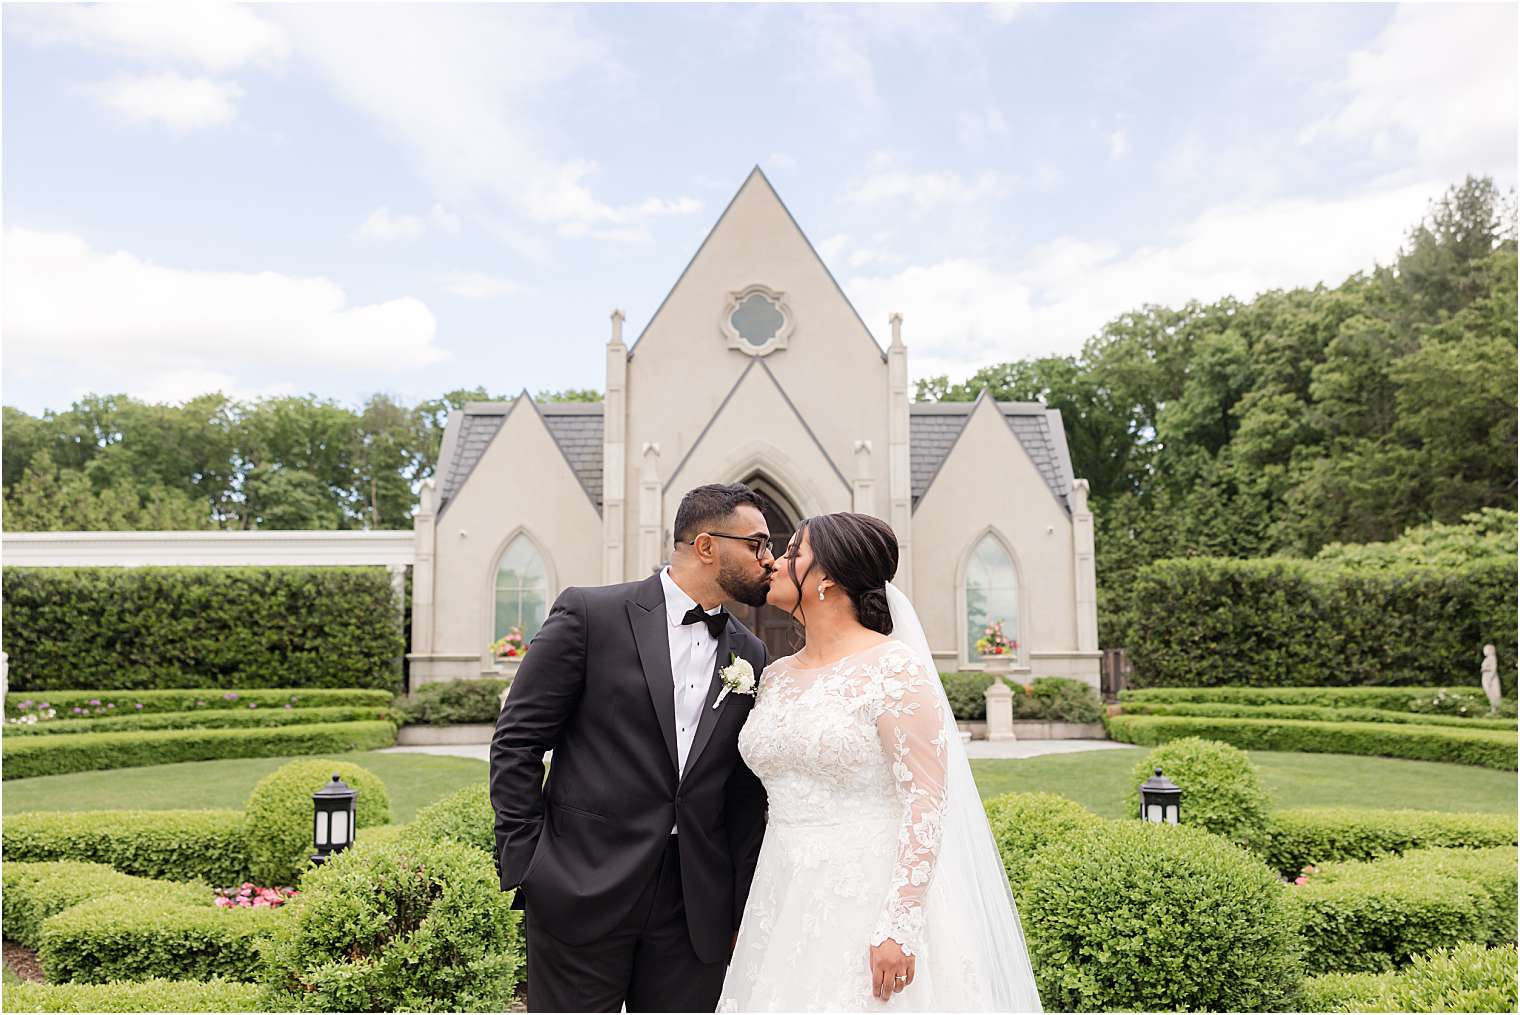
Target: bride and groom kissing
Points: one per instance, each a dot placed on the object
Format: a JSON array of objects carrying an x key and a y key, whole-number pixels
[{"x": 723, "y": 831}]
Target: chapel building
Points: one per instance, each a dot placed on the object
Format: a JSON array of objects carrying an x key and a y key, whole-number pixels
[{"x": 757, "y": 369}]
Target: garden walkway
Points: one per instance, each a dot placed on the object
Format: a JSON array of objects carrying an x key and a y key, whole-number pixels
[{"x": 975, "y": 749}]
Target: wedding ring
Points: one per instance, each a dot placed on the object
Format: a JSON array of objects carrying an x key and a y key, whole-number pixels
[{"x": 902, "y": 978}]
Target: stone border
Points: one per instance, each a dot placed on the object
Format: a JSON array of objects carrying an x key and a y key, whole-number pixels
[{"x": 423, "y": 735}]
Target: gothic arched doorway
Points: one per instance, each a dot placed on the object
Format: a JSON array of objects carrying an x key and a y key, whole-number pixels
[{"x": 780, "y": 633}]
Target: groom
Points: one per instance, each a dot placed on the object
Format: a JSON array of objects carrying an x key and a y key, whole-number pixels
[{"x": 635, "y": 856}]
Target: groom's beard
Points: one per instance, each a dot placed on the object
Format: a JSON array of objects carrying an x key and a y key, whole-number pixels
[{"x": 743, "y": 588}]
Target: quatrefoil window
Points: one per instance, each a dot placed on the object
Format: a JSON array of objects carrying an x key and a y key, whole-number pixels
[{"x": 757, "y": 320}]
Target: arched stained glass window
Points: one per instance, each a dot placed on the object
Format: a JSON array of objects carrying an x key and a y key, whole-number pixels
[
  {"x": 522, "y": 589},
  {"x": 992, "y": 602}
]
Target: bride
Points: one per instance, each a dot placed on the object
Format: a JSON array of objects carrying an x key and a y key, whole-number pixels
[{"x": 878, "y": 880}]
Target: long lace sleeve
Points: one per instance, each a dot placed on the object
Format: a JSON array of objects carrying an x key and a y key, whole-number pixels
[{"x": 911, "y": 726}]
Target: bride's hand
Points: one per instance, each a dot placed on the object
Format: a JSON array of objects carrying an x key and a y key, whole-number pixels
[{"x": 891, "y": 970}]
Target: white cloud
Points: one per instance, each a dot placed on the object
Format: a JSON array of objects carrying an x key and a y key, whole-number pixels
[
  {"x": 1003, "y": 13},
  {"x": 178, "y": 102},
  {"x": 1439, "y": 76},
  {"x": 1118, "y": 145},
  {"x": 114, "y": 312},
  {"x": 980, "y": 126},
  {"x": 385, "y": 226},
  {"x": 179, "y": 386},
  {"x": 962, "y": 313},
  {"x": 217, "y": 36},
  {"x": 460, "y": 88},
  {"x": 927, "y": 191},
  {"x": 444, "y": 220},
  {"x": 479, "y": 286}
]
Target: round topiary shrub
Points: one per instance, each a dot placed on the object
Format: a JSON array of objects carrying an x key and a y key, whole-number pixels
[
  {"x": 277, "y": 818},
  {"x": 405, "y": 925},
  {"x": 1133, "y": 916},
  {"x": 465, "y": 816},
  {"x": 1221, "y": 791},
  {"x": 1022, "y": 823}
]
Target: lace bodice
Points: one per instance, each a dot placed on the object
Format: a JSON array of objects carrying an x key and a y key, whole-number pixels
[{"x": 858, "y": 745}]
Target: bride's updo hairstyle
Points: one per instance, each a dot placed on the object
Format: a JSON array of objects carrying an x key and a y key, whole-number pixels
[{"x": 859, "y": 554}]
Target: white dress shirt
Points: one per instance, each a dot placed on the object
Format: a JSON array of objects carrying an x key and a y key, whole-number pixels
[{"x": 693, "y": 654}]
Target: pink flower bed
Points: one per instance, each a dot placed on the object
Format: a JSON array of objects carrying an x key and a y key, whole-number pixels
[{"x": 251, "y": 896}]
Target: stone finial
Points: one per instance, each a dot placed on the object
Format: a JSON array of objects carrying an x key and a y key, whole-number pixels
[
  {"x": 617, "y": 327},
  {"x": 1490, "y": 677},
  {"x": 896, "y": 322}
]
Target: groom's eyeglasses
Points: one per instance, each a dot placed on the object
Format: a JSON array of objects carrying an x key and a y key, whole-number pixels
[{"x": 762, "y": 545}]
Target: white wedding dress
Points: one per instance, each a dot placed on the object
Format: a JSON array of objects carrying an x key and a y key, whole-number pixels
[{"x": 859, "y": 761}]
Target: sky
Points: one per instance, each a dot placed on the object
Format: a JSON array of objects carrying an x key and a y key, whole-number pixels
[{"x": 342, "y": 199}]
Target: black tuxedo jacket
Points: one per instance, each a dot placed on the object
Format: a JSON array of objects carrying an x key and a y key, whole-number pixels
[{"x": 596, "y": 688}]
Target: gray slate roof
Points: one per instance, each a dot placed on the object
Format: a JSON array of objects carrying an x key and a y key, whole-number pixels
[{"x": 933, "y": 428}]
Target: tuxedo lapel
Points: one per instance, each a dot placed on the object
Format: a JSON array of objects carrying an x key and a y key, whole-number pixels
[
  {"x": 710, "y": 714},
  {"x": 647, "y": 615}
]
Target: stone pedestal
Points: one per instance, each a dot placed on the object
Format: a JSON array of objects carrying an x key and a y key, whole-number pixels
[{"x": 999, "y": 710}]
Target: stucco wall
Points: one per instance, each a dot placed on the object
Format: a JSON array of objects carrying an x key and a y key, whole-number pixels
[
  {"x": 988, "y": 481},
  {"x": 681, "y": 368},
  {"x": 521, "y": 484}
]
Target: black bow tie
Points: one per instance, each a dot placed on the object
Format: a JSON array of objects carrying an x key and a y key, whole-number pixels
[{"x": 715, "y": 622}]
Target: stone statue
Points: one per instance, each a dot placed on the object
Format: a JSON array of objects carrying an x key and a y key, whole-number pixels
[{"x": 1491, "y": 678}]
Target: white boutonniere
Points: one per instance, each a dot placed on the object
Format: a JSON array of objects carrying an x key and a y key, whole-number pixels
[{"x": 738, "y": 676}]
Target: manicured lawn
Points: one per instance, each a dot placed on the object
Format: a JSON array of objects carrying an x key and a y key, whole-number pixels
[
  {"x": 412, "y": 780},
  {"x": 1100, "y": 781},
  {"x": 1097, "y": 779}
]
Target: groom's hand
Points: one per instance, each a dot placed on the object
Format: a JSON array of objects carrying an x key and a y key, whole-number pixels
[{"x": 891, "y": 970}]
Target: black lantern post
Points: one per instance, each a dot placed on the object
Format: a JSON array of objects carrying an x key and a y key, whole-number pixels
[
  {"x": 332, "y": 818},
  {"x": 1160, "y": 800}
]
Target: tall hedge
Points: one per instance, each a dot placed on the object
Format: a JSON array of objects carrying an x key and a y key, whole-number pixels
[
  {"x": 1207, "y": 621},
  {"x": 156, "y": 627}
]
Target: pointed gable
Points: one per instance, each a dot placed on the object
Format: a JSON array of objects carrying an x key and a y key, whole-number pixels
[
  {"x": 575, "y": 427},
  {"x": 758, "y": 227}
]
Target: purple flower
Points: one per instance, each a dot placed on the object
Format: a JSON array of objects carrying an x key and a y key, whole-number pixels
[
  {"x": 111, "y": 704},
  {"x": 26, "y": 705},
  {"x": 253, "y": 704},
  {"x": 43, "y": 705},
  {"x": 78, "y": 711},
  {"x": 138, "y": 706},
  {"x": 94, "y": 701},
  {"x": 230, "y": 696},
  {"x": 288, "y": 705}
]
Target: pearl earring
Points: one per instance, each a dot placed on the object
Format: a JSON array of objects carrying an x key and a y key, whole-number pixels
[{"x": 820, "y": 595}]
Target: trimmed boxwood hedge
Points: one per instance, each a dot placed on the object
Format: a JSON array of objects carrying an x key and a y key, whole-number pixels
[
  {"x": 1486, "y": 748},
  {"x": 1318, "y": 713},
  {"x": 1135, "y": 916},
  {"x": 154, "y": 995},
  {"x": 1221, "y": 790},
  {"x": 1295, "y": 838},
  {"x": 1375, "y": 915},
  {"x": 222, "y": 718},
  {"x": 108, "y": 704},
  {"x": 25, "y": 757},
  {"x": 465, "y": 816},
  {"x": 36, "y": 891},
  {"x": 407, "y": 925},
  {"x": 137, "y": 938},
  {"x": 1467, "y": 978},
  {"x": 277, "y": 819},
  {"x": 1024, "y": 823},
  {"x": 146, "y": 627},
  {"x": 1433, "y": 700},
  {"x": 175, "y": 845},
  {"x": 1201, "y": 621}
]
